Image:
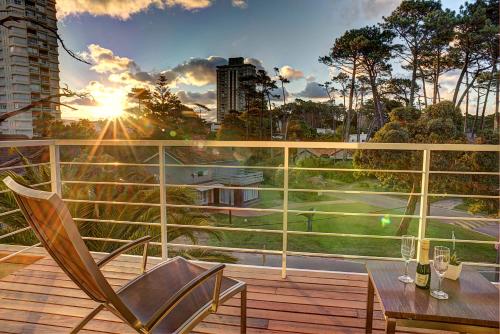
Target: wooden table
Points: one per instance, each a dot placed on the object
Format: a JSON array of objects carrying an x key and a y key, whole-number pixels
[{"x": 472, "y": 307}]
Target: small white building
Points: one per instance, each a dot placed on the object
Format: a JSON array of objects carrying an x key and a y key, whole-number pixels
[{"x": 353, "y": 138}]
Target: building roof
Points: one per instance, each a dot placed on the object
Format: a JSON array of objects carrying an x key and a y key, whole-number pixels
[{"x": 201, "y": 155}]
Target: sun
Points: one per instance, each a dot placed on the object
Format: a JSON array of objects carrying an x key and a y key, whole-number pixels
[{"x": 109, "y": 103}]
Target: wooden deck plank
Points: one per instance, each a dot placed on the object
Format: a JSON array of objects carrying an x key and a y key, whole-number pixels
[{"x": 40, "y": 298}]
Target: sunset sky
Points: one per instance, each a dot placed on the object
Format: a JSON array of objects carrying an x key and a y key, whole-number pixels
[{"x": 130, "y": 42}]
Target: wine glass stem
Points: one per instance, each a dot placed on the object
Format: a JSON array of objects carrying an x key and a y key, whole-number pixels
[
  {"x": 439, "y": 284},
  {"x": 406, "y": 268}
]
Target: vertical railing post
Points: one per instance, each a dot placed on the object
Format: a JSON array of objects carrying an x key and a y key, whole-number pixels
[
  {"x": 163, "y": 203},
  {"x": 424, "y": 189},
  {"x": 285, "y": 212},
  {"x": 55, "y": 169}
]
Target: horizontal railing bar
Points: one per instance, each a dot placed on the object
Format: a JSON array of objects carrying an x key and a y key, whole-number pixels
[
  {"x": 361, "y": 192},
  {"x": 110, "y": 202},
  {"x": 325, "y": 169},
  {"x": 357, "y": 214},
  {"x": 112, "y": 183},
  {"x": 227, "y": 249},
  {"x": 6, "y": 213},
  {"x": 221, "y": 228},
  {"x": 463, "y": 173},
  {"x": 116, "y": 240},
  {"x": 481, "y": 264},
  {"x": 25, "y": 143},
  {"x": 3, "y": 236},
  {"x": 276, "y": 144},
  {"x": 222, "y": 166},
  {"x": 5, "y": 258},
  {"x": 225, "y": 208},
  {"x": 24, "y": 166},
  {"x": 346, "y": 256},
  {"x": 111, "y": 164},
  {"x": 480, "y": 219},
  {"x": 111, "y": 221},
  {"x": 465, "y": 241},
  {"x": 461, "y": 195},
  {"x": 171, "y": 185},
  {"x": 349, "y": 235}
]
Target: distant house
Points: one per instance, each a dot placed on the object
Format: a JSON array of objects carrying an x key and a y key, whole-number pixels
[{"x": 197, "y": 167}]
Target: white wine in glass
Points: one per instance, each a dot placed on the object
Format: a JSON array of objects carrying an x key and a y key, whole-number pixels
[
  {"x": 407, "y": 251},
  {"x": 440, "y": 264}
]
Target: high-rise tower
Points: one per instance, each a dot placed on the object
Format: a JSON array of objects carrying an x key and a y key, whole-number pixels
[
  {"x": 230, "y": 93},
  {"x": 29, "y": 66}
]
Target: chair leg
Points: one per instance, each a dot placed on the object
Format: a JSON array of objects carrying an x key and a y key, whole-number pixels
[
  {"x": 85, "y": 320},
  {"x": 243, "y": 320}
]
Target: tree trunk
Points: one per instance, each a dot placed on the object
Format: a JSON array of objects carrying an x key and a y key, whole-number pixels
[
  {"x": 436, "y": 77},
  {"x": 404, "y": 224},
  {"x": 460, "y": 78},
  {"x": 376, "y": 101},
  {"x": 485, "y": 102},
  {"x": 466, "y": 104},
  {"x": 413, "y": 77},
  {"x": 477, "y": 112},
  {"x": 351, "y": 98},
  {"x": 424, "y": 88},
  {"x": 496, "y": 124},
  {"x": 467, "y": 89}
]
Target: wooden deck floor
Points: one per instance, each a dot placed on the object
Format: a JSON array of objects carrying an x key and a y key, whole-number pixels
[{"x": 41, "y": 299}]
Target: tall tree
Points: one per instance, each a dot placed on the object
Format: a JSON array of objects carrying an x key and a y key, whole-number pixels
[
  {"x": 345, "y": 56},
  {"x": 375, "y": 50},
  {"x": 287, "y": 116},
  {"x": 407, "y": 22},
  {"x": 474, "y": 35}
]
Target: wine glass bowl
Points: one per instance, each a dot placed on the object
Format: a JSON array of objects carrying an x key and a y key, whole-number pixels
[
  {"x": 407, "y": 252},
  {"x": 440, "y": 264}
]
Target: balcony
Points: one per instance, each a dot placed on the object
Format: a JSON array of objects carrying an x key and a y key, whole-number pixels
[{"x": 302, "y": 279}]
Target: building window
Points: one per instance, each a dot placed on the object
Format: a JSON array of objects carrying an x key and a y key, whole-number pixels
[
  {"x": 226, "y": 196},
  {"x": 204, "y": 196},
  {"x": 250, "y": 195}
]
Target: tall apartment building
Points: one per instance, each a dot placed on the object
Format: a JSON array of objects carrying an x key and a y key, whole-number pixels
[
  {"x": 29, "y": 66},
  {"x": 230, "y": 95}
]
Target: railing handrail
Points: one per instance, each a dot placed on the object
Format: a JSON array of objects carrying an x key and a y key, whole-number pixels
[{"x": 254, "y": 144}]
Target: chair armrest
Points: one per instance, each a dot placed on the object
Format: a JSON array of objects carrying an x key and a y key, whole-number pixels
[
  {"x": 144, "y": 240},
  {"x": 185, "y": 291}
]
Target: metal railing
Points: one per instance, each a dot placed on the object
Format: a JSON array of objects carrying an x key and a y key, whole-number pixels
[{"x": 423, "y": 216}]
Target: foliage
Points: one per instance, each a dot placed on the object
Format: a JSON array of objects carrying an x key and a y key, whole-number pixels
[{"x": 46, "y": 126}]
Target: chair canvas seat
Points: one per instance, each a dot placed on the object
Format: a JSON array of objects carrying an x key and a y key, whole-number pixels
[{"x": 145, "y": 294}]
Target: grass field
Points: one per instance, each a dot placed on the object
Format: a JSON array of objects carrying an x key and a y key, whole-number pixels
[{"x": 377, "y": 226}]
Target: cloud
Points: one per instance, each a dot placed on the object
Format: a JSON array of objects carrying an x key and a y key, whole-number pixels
[
  {"x": 291, "y": 73},
  {"x": 313, "y": 91},
  {"x": 83, "y": 101},
  {"x": 206, "y": 98},
  {"x": 366, "y": 9},
  {"x": 310, "y": 78},
  {"x": 105, "y": 61},
  {"x": 240, "y": 4},
  {"x": 123, "y": 9},
  {"x": 199, "y": 71},
  {"x": 255, "y": 62}
]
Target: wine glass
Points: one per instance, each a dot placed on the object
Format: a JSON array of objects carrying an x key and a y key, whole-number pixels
[
  {"x": 441, "y": 261},
  {"x": 407, "y": 251}
]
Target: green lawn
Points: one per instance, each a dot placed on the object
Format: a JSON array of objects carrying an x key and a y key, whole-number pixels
[{"x": 345, "y": 224}]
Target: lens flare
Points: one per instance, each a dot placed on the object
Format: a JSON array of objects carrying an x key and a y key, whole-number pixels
[{"x": 386, "y": 220}]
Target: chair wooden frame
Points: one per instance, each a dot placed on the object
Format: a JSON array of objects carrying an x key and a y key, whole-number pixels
[{"x": 85, "y": 272}]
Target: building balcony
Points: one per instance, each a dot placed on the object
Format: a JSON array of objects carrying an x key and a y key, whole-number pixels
[{"x": 301, "y": 280}]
